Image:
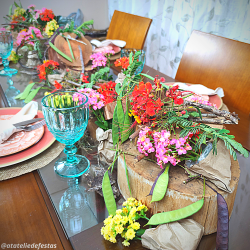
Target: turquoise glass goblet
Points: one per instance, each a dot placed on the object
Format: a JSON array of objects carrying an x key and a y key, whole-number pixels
[
  {"x": 6, "y": 45},
  {"x": 66, "y": 114}
]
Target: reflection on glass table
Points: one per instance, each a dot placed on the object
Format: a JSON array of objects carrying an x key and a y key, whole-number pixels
[
  {"x": 74, "y": 209},
  {"x": 11, "y": 92},
  {"x": 78, "y": 206}
]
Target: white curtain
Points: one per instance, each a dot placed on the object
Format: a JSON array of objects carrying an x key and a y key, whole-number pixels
[{"x": 174, "y": 20}]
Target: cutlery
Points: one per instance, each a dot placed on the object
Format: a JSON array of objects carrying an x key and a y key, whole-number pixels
[
  {"x": 24, "y": 123},
  {"x": 33, "y": 127}
]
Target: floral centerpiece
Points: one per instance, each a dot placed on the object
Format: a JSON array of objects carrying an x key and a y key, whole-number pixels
[{"x": 172, "y": 129}]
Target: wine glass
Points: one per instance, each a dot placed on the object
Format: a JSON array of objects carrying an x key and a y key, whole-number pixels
[
  {"x": 67, "y": 117},
  {"x": 6, "y": 45}
]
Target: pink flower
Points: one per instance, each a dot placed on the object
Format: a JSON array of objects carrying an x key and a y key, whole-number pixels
[
  {"x": 188, "y": 147},
  {"x": 32, "y": 6},
  {"x": 181, "y": 151}
]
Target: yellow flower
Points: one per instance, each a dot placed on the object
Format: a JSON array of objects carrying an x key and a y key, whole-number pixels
[
  {"x": 130, "y": 234},
  {"x": 112, "y": 239},
  {"x": 141, "y": 207},
  {"x": 135, "y": 225},
  {"x": 125, "y": 210},
  {"x": 137, "y": 118},
  {"x": 51, "y": 27},
  {"x": 117, "y": 218},
  {"x": 125, "y": 243},
  {"x": 118, "y": 211},
  {"x": 18, "y": 12},
  {"x": 124, "y": 220},
  {"x": 131, "y": 199},
  {"x": 133, "y": 211},
  {"x": 119, "y": 229}
]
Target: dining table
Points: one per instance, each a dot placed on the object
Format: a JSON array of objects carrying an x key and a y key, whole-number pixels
[{"x": 41, "y": 207}]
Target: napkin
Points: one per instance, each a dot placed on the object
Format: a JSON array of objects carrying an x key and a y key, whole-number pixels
[
  {"x": 29, "y": 111},
  {"x": 118, "y": 43},
  {"x": 200, "y": 89}
]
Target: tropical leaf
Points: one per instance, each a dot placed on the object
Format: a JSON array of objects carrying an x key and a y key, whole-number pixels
[{"x": 32, "y": 95}]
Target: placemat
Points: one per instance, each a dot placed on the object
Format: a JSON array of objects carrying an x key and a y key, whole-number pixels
[{"x": 32, "y": 164}]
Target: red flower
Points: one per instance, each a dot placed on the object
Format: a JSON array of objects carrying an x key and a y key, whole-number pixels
[
  {"x": 157, "y": 81},
  {"x": 108, "y": 91},
  {"x": 46, "y": 15},
  {"x": 46, "y": 68},
  {"x": 58, "y": 85},
  {"x": 144, "y": 106},
  {"x": 123, "y": 62},
  {"x": 175, "y": 95},
  {"x": 84, "y": 78}
]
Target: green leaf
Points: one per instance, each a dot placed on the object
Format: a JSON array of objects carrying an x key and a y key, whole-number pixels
[
  {"x": 164, "y": 85},
  {"x": 194, "y": 114},
  {"x": 32, "y": 95},
  {"x": 118, "y": 88},
  {"x": 199, "y": 111},
  {"x": 115, "y": 127},
  {"x": 130, "y": 57},
  {"x": 108, "y": 194},
  {"x": 26, "y": 91},
  {"x": 140, "y": 232},
  {"x": 149, "y": 77},
  {"x": 16, "y": 4},
  {"x": 59, "y": 52},
  {"x": 120, "y": 113},
  {"x": 101, "y": 125},
  {"x": 10, "y": 9},
  {"x": 70, "y": 48},
  {"x": 224, "y": 131},
  {"x": 126, "y": 171},
  {"x": 161, "y": 185},
  {"x": 125, "y": 133}
]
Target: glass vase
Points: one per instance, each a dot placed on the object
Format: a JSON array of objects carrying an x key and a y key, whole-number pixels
[{"x": 67, "y": 120}]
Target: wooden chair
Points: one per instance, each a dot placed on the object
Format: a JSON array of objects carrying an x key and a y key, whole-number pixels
[
  {"x": 130, "y": 28},
  {"x": 218, "y": 62}
]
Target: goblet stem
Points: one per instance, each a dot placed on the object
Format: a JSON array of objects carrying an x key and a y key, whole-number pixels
[
  {"x": 70, "y": 151},
  {"x": 5, "y": 63}
]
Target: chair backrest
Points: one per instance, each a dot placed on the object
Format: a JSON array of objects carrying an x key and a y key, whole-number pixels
[
  {"x": 130, "y": 28},
  {"x": 218, "y": 62}
]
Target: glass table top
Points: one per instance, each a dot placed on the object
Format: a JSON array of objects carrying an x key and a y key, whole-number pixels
[{"x": 79, "y": 209}]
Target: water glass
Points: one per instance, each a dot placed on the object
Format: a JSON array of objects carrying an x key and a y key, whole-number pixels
[
  {"x": 67, "y": 122},
  {"x": 126, "y": 52},
  {"x": 6, "y": 45}
]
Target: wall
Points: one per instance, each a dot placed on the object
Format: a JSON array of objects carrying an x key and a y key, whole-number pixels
[{"x": 91, "y": 9}]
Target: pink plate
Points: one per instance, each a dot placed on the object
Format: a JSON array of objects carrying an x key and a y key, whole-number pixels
[
  {"x": 45, "y": 140},
  {"x": 19, "y": 140}
]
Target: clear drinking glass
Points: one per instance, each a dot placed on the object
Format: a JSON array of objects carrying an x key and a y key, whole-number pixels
[
  {"x": 68, "y": 126},
  {"x": 142, "y": 57},
  {"x": 6, "y": 45}
]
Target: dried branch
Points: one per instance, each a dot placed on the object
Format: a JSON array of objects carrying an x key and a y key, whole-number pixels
[
  {"x": 230, "y": 116},
  {"x": 214, "y": 121}
]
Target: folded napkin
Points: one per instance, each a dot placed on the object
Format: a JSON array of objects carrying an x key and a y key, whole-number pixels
[
  {"x": 29, "y": 111},
  {"x": 200, "y": 89},
  {"x": 118, "y": 43}
]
